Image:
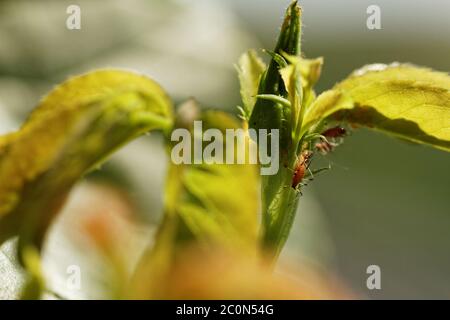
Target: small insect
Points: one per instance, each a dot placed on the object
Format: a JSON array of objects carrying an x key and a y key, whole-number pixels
[
  {"x": 300, "y": 168},
  {"x": 335, "y": 132}
]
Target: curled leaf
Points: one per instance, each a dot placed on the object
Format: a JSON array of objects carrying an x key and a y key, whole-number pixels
[
  {"x": 72, "y": 131},
  {"x": 409, "y": 102}
]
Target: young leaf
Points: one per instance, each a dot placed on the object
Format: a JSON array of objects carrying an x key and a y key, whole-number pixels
[
  {"x": 324, "y": 106},
  {"x": 409, "y": 102},
  {"x": 211, "y": 206},
  {"x": 250, "y": 69},
  {"x": 311, "y": 70},
  {"x": 292, "y": 79},
  {"x": 216, "y": 202},
  {"x": 71, "y": 132}
]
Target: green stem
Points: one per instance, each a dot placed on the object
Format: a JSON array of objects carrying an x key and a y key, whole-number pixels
[
  {"x": 279, "y": 206},
  {"x": 279, "y": 199}
]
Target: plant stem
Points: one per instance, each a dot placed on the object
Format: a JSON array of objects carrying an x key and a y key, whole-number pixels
[
  {"x": 279, "y": 199},
  {"x": 279, "y": 206}
]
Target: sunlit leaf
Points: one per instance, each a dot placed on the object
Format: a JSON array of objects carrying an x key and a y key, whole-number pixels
[
  {"x": 292, "y": 79},
  {"x": 71, "y": 132},
  {"x": 409, "y": 102},
  {"x": 324, "y": 106},
  {"x": 311, "y": 70},
  {"x": 250, "y": 69}
]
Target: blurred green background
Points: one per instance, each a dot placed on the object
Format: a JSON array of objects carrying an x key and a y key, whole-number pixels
[{"x": 385, "y": 202}]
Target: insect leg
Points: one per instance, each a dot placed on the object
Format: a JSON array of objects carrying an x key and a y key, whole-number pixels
[{"x": 313, "y": 172}]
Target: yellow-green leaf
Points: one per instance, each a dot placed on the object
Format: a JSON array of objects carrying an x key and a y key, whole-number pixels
[
  {"x": 217, "y": 202},
  {"x": 70, "y": 132},
  {"x": 409, "y": 102},
  {"x": 311, "y": 70},
  {"x": 207, "y": 206},
  {"x": 324, "y": 106},
  {"x": 293, "y": 83},
  {"x": 250, "y": 70}
]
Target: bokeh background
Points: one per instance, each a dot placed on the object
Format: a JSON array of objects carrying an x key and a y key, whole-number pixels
[{"x": 385, "y": 202}]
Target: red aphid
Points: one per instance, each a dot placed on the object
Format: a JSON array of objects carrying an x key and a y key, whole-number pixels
[
  {"x": 301, "y": 167},
  {"x": 335, "y": 132}
]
